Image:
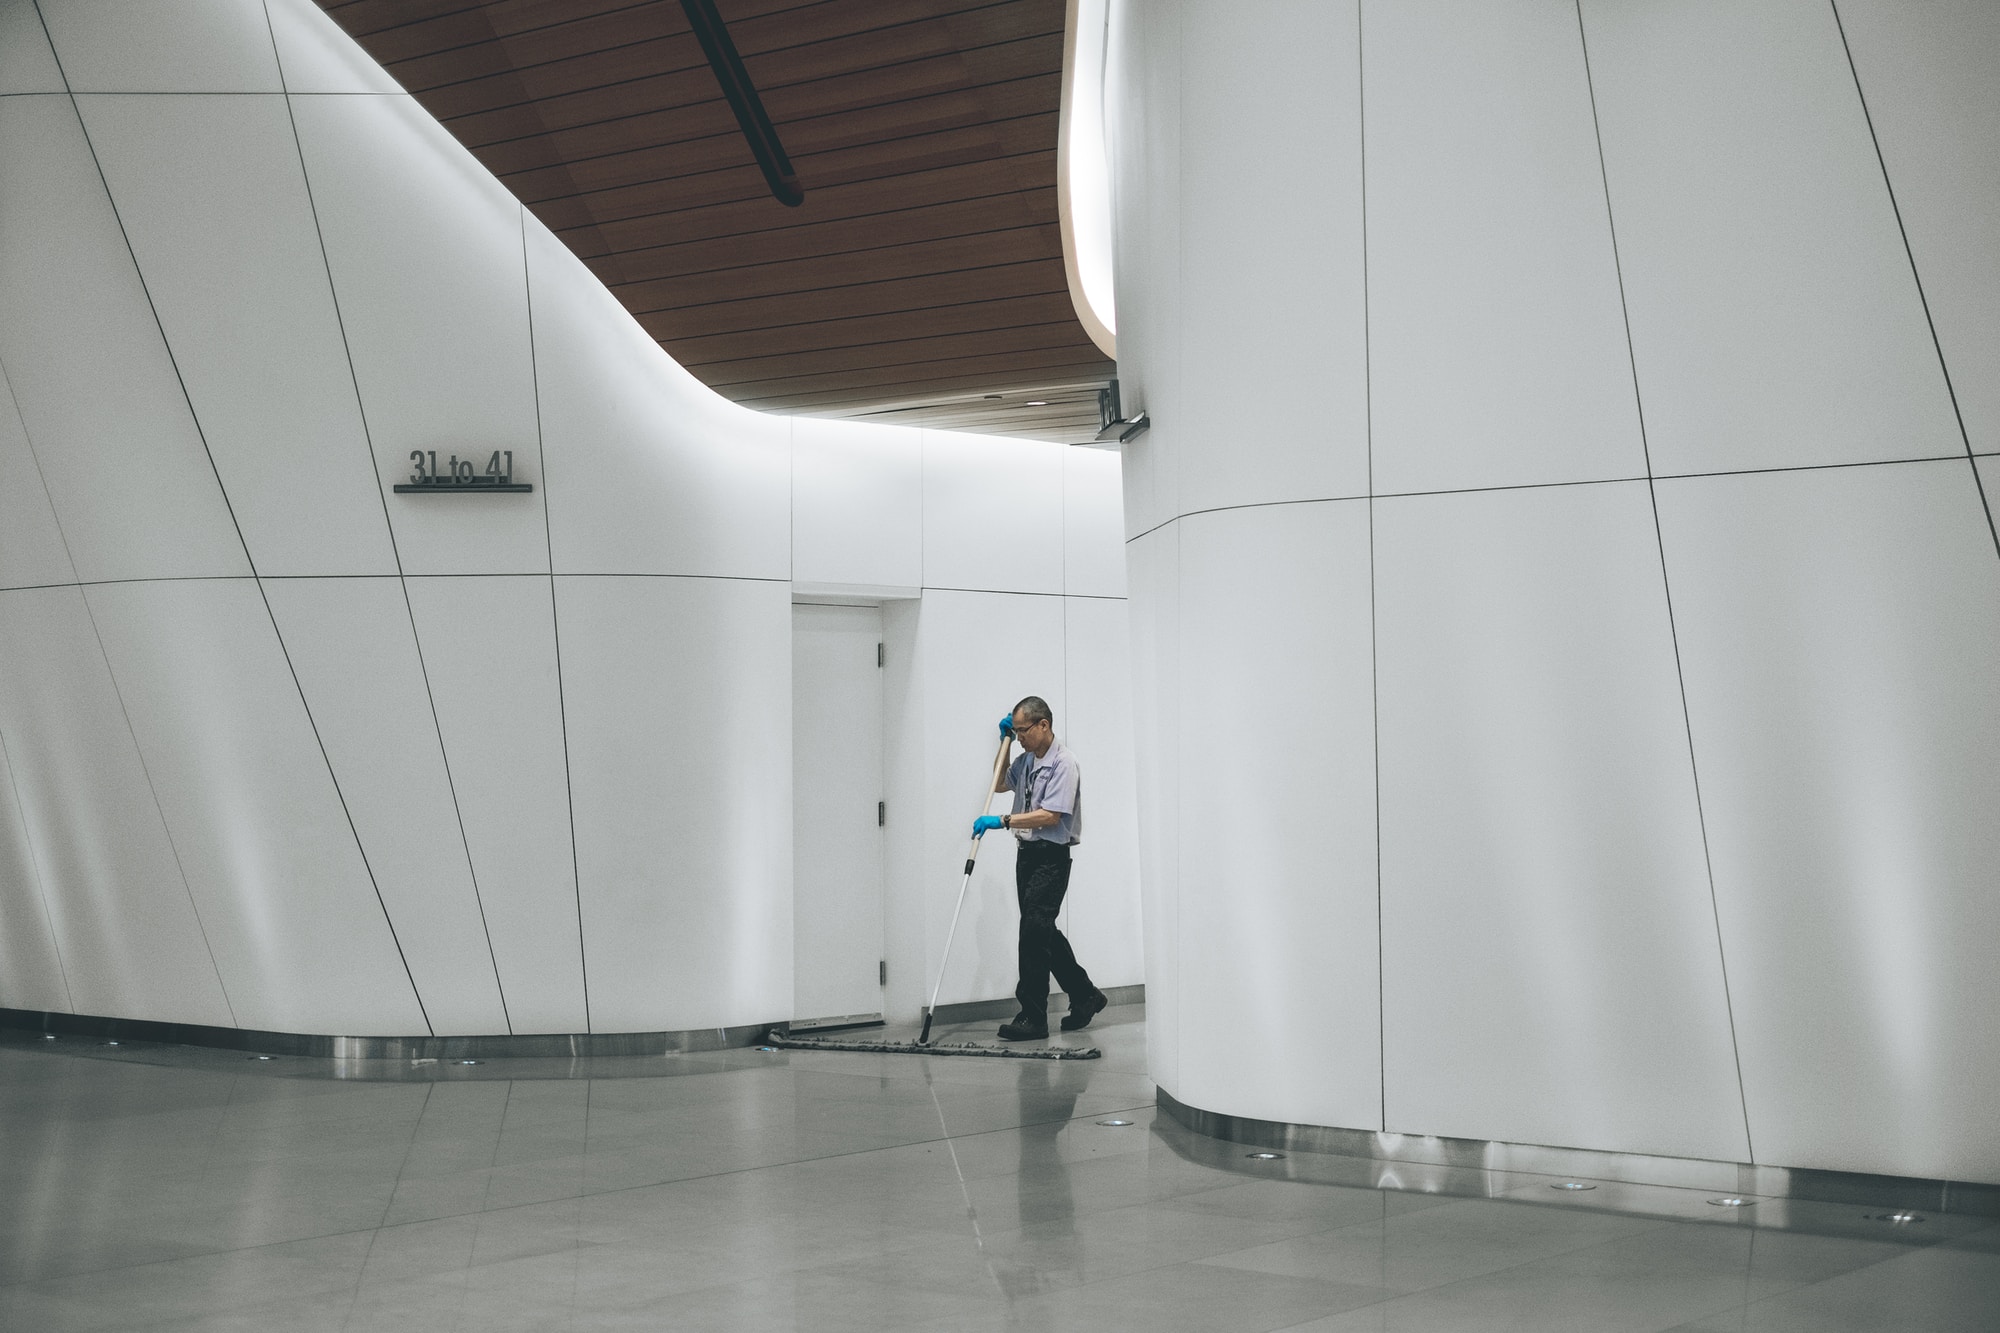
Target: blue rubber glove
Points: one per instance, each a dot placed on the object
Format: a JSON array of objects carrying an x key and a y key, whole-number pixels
[
  {"x": 985, "y": 824},
  {"x": 1007, "y": 725}
]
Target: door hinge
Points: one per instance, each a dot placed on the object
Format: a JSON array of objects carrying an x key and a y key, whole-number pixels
[
  {"x": 882, "y": 973},
  {"x": 880, "y": 658},
  {"x": 881, "y": 814}
]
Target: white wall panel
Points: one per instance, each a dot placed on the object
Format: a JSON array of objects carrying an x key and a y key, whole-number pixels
[
  {"x": 993, "y": 513},
  {"x": 130, "y": 938},
  {"x": 1496, "y": 339},
  {"x": 1093, "y": 524},
  {"x": 1927, "y": 68},
  {"x": 1277, "y": 915},
  {"x": 31, "y": 545},
  {"x": 857, "y": 503},
  {"x": 979, "y": 653},
  {"x": 908, "y": 882},
  {"x": 315, "y": 56},
  {"x": 1101, "y": 915},
  {"x": 1774, "y": 316},
  {"x": 425, "y": 248},
  {"x": 1551, "y": 971},
  {"x": 90, "y": 374},
  {"x": 489, "y": 645},
  {"x": 355, "y": 655},
  {"x": 214, "y": 203},
  {"x": 650, "y": 472},
  {"x": 27, "y": 65},
  {"x": 1153, "y": 616},
  {"x": 1272, "y": 338},
  {"x": 191, "y": 46},
  {"x": 286, "y": 900},
  {"x": 678, "y": 694},
  {"x": 1838, "y": 634},
  {"x": 1143, "y": 128},
  {"x": 30, "y": 964}
]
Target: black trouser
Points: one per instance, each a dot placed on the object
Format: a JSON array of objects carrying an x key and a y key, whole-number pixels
[{"x": 1041, "y": 878}]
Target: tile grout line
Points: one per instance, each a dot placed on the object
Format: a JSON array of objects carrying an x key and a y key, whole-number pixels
[
  {"x": 389, "y": 1202},
  {"x": 621, "y": 1189}
]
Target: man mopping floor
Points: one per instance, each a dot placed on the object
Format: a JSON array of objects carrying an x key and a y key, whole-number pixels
[{"x": 1047, "y": 819}]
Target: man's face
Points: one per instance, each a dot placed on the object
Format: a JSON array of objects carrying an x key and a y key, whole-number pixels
[{"x": 1032, "y": 735}]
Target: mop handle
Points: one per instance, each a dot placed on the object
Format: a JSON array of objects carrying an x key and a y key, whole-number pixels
[{"x": 971, "y": 855}]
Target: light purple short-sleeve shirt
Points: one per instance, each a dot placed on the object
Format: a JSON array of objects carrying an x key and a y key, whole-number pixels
[{"x": 1053, "y": 782}]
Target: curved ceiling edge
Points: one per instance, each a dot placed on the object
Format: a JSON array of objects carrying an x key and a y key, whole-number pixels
[
  {"x": 1083, "y": 175},
  {"x": 922, "y": 280}
]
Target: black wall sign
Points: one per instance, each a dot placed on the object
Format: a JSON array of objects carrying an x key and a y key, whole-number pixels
[{"x": 462, "y": 475}]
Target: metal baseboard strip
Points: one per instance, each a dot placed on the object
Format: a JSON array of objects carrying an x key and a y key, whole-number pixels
[
  {"x": 497, "y": 1046},
  {"x": 974, "y": 1011},
  {"x": 1967, "y": 1198}
]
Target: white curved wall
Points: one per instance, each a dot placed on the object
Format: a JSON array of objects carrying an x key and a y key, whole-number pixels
[
  {"x": 1561, "y": 526},
  {"x": 281, "y": 749}
]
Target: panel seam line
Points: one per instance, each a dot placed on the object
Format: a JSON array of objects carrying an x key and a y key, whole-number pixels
[
  {"x": 555, "y": 617},
  {"x": 1374, "y": 648},
  {"x": 34, "y": 859},
  {"x": 1666, "y": 590},
  {"x": 229, "y": 507},
  {"x": 1916, "y": 275},
  {"x": 35, "y": 869},
  {"x": 388, "y": 523},
  {"x": 90, "y": 612}
]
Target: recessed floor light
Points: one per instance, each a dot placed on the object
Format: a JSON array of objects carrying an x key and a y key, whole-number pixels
[
  {"x": 1572, "y": 1185},
  {"x": 1264, "y": 1156},
  {"x": 110, "y": 1043},
  {"x": 1115, "y": 1123},
  {"x": 260, "y": 1057},
  {"x": 48, "y": 1036},
  {"x": 1895, "y": 1219},
  {"x": 1733, "y": 1202},
  {"x": 468, "y": 1062},
  {"x": 1038, "y": 402}
]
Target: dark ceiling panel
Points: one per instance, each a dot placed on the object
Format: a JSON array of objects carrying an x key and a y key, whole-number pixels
[
  {"x": 859, "y": 201},
  {"x": 922, "y": 279},
  {"x": 860, "y": 333}
]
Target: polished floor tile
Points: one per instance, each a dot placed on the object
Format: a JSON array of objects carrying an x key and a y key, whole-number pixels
[{"x": 162, "y": 1188}]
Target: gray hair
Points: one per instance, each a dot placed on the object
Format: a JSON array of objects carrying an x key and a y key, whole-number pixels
[{"x": 1034, "y": 709}]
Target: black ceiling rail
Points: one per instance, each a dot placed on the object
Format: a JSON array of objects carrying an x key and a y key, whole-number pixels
[{"x": 716, "y": 44}]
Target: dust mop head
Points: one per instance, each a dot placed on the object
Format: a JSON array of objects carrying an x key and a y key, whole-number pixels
[{"x": 790, "y": 1043}]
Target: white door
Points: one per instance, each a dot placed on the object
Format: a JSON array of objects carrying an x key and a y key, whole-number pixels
[{"x": 836, "y": 812}]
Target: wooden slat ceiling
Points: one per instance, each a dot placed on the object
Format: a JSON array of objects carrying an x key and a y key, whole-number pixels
[{"x": 922, "y": 279}]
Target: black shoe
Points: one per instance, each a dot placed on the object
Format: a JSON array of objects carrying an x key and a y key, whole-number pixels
[
  {"x": 1082, "y": 1011},
  {"x": 1022, "y": 1030}
]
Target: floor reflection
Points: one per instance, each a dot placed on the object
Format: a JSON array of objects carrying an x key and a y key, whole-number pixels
[{"x": 164, "y": 1188}]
